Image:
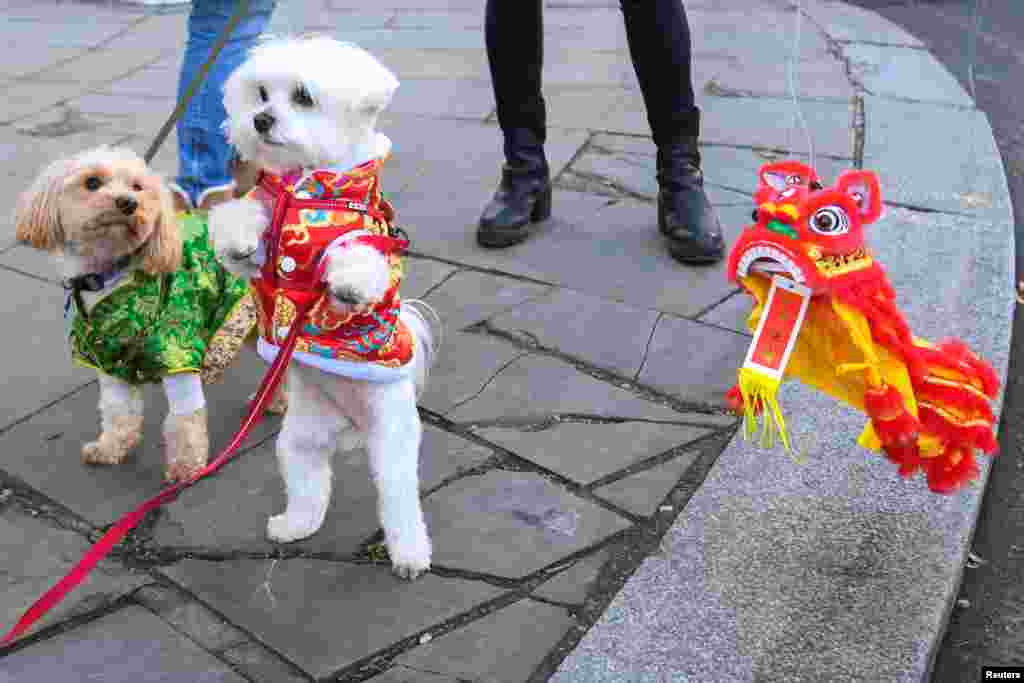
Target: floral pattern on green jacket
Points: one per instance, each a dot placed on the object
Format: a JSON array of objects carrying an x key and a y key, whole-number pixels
[{"x": 150, "y": 326}]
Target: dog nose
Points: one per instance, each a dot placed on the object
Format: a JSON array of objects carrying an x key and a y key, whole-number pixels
[
  {"x": 127, "y": 205},
  {"x": 263, "y": 122}
]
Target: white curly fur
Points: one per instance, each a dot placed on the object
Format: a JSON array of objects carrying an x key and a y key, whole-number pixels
[{"x": 348, "y": 89}]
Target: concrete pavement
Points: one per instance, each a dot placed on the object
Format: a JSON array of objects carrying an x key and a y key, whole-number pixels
[{"x": 593, "y": 516}]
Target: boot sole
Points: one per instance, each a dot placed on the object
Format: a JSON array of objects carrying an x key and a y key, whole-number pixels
[{"x": 497, "y": 239}]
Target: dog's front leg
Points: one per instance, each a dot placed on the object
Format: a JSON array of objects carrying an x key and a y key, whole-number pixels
[
  {"x": 186, "y": 437},
  {"x": 121, "y": 418},
  {"x": 235, "y": 231},
  {"x": 305, "y": 447},
  {"x": 357, "y": 276},
  {"x": 393, "y": 441}
]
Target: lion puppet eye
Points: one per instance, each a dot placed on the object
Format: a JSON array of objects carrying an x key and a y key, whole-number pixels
[
  {"x": 93, "y": 183},
  {"x": 830, "y": 220}
]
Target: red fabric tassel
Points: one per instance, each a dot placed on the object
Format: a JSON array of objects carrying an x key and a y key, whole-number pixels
[
  {"x": 945, "y": 476},
  {"x": 982, "y": 370},
  {"x": 734, "y": 399},
  {"x": 959, "y": 398},
  {"x": 893, "y": 423},
  {"x": 958, "y": 436}
]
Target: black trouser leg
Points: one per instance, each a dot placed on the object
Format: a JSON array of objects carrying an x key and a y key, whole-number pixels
[
  {"x": 513, "y": 31},
  {"x": 659, "y": 43}
]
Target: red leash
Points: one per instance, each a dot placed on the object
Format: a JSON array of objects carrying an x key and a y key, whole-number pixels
[{"x": 128, "y": 522}]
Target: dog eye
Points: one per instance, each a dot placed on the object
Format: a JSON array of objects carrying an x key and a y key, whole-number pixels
[
  {"x": 302, "y": 97},
  {"x": 137, "y": 187},
  {"x": 93, "y": 183},
  {"x": 263, "y": 94}
]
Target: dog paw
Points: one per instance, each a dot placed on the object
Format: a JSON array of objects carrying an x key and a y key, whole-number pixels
[
  {"x": 285, "y": 529},
  {"x": 412, "y": 561},
  {"x": 349, "y": 297},
  {"x": 180, "y": 471},
  {"x": 102, "y": 452}
]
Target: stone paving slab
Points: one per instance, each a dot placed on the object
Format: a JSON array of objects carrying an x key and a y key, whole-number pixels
[
  {"x": 604, "y": 333},
  {"x": 535, "y": 386},
  {"x": 512, "y": 524},
  {"x": 643, "y": 492},
  {"x": 581, "y": 247},
  {"x": 56, "y": 36},
  {"x": 465, "y": 364},
  {"x": 469, "y": 163},
  {"x": 128, "y": 645},
  {"x": 460, "y": 99},
  {"x": 709, "y": 355},
  {"x": 905, "y": 73},
  {"x": 848, "y": 23},
  {"x": 45, "y": 450},
  {"x": 38, "y": 350},
  {"x": 504, "y": 646},
  {"x": 813, "y": 78},
  {"x": 33, "y": 97},
  {"x": 626, "y": 166},
  {"x": 571, "y": 585},
  {"x": 731, "y": 314},
  {"x": 586, "y": 452},
  {"x": 229, "y": 513},
  {"x": 331, "y": 600},
  {"x": 900, "y": 146},
  {"x": 45, "y": 552},
  {"x": 469, "y": 297},
  {"x": 422, "y": 275}
]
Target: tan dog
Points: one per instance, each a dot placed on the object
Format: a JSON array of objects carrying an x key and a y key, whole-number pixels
[{"x": 150, "y": 301}]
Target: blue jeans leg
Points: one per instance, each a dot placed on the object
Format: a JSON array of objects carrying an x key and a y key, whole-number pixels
[{"x": 204, "y": 155}]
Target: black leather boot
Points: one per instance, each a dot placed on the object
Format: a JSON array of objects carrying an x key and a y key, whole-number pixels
[
  {"x": 685, "y": 216},
  {"x": 523, "y": 196}
]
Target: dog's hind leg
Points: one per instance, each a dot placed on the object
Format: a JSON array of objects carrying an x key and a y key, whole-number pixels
[
  {"x": 305, "y": 447},
  {"x": 393, "y": 441},
  {"x": 121, "y": 419}
]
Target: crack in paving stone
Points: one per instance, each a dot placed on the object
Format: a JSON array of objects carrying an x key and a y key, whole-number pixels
[
  {"x": 487, "y": 383},
  {"x": 859, "y": 127},
  {"x": 45, "y": 407},
  {"x": 25, "y": 273},
  {"x": 479, "y": 269},
  {"x": 604, "y": 183},
  {"x": 439, "y": 285},
  {"x": 513, "y": 462},
  {"x": 658, "y": 459},
  {"x": 639, "y": 389},
  {"x": 638, "y": 543},
  {"x": 38, "y": 505}
]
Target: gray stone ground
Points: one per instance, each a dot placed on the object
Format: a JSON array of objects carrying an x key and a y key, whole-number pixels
[{"x": 575, "y": 417}]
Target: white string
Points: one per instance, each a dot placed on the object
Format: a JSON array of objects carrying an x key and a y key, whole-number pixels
[{"x": 792, "y": 78}]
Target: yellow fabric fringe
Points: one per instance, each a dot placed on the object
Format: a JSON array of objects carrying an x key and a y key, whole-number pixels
[{"x": 758, "y": 388}]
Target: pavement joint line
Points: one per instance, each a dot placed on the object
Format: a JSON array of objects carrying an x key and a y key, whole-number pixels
[
  {"x": 65, "y": 625},
  {"x": 18, "y": 271},
  {"x": 36, "y": 504},
  {"x": 45, "y": 407},
  {"x": 618, "y": 188},
  {"x": 859, "y": 127},
  {"x": 433, "y": 288},
  {"x": 875, "y": 43},
  {"x": 185, "y": 596},
  {"x": 603, "y": 374},
  {"x": 658, "y": 459},
  {"x": 703, "y": 312},
  {"x": 480, "y": 269},
  {"x": 567, "y": 606},
  {"x": 513, "y": 462},
  {"x": 639, "y": 543},
  {"x": 377, "y": 662},
  {"x": 580, "y": 151},
  {"x": 532, "y": 424}
]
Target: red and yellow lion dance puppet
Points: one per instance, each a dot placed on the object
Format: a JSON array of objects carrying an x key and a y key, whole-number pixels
[{"x": 928, "y": 403}]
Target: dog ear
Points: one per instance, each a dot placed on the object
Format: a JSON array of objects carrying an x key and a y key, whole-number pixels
[
  {"x": 162, "y": 252},
  {"x": 37, "y": 211},
  {"x": 385, "y": 83}
]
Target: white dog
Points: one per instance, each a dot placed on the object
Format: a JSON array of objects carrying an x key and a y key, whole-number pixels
[
  {"x": 305, "y": 111},
  {"x": 148, "y": 300}
]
